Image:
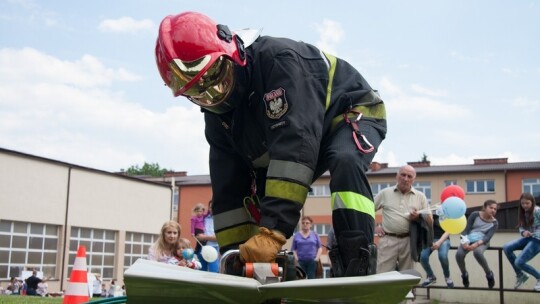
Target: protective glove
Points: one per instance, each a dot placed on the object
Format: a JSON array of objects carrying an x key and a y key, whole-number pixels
[{"x": 263, "y": 247}]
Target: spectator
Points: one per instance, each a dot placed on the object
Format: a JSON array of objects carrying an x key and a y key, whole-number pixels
[
  {"x": 163, "y": 249},
  {"x": 96, "y": 286},
  {"x": 331, "y": 242},
  {"x": 103, "y": 290},
  {"x": 184, "y": 255},
  {"x": 112, "y": 289},
  {"x": 208, "y": 237},
  {"x": 481, "y": 225},
  {"x": 32, "y": 284},
  {"x": 197, "y": 219},
  {"x": 42, "y": 289},
  {"x": 400, "y": 205},
  {"x": 441, "y": 243},
  {"x": 14, "y": 286},
  {"x": 307, "y": 248},
  {"x": 528, "y": 243}
]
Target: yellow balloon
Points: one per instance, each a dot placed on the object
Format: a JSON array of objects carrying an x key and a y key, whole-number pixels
[{"x": 454, "y": 226}]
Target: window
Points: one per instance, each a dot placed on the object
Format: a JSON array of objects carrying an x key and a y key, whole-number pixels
[
  {"x": 100, "y": 250},
  {"x": 319, "y": 190},
  {"x": 377, "y": 187},
  {"x": 531, "y": 185},
  {"x": 424, "y": 187},
  {"x": 321, "y": 229},
  {"x": 480, "y": 186},
  {"x": 27, "y": 245},
  {"x": 175, "y": 204},
  {"x": 450, "y": 183},
  {"x": 136, "y": 246}
]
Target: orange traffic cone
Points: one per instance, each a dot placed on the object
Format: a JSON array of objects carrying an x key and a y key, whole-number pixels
[{"x": 77, "y": 288}]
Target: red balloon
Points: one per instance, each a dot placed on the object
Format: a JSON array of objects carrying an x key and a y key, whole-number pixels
[{"x": 452, "y": 190}]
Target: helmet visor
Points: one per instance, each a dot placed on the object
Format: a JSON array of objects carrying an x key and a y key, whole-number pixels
[{"x": 206, "y": 82}]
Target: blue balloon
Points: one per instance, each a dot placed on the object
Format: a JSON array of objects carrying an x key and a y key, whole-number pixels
[
  {"x": 188, "y": 254},
  {"x": 454, "y": 207}
]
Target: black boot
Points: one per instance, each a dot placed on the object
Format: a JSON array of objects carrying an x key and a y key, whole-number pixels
[{"x": 354, "y": 256}]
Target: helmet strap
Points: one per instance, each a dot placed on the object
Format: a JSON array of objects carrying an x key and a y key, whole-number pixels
[
  {"x": 224, "y": 33},
  {"x": 240, "y": 47}
]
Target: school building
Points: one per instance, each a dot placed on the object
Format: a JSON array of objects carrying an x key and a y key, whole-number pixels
[{"x": 49, "y": 208}]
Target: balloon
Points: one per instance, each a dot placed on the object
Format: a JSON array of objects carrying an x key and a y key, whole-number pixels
[
  {"x": 453, "y": 207},
  {"x": 452, "y": 190},
  {"x": 209, "y": 253},
  {"x": 188, "y": 253},
  {"x": 454, "y": 226}
]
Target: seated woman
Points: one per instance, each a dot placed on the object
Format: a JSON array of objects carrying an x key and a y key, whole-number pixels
[
  {"x": 528, "y": 243},
  {"x": 165, "y": 247},
  {"x": 484, "y": 224}
]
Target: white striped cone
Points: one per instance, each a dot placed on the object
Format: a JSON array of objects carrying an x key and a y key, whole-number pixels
[{"x": 77, "y": 288}]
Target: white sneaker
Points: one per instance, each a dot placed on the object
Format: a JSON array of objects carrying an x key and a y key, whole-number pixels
[
  {"x": 429, "y": 281},
  {"x": 537, "y": 287},
  {"x": 449, "y": 283}
]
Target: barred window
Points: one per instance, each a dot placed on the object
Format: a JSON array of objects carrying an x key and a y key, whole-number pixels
[
  {"x": 424, "y": 187},
  {"x": 377, "y": 187},
  {"x": 531, "y": 185},
  {"x": 27, "y": 245},
  {"x": 136, "y": 246},
  {"x": 100, "y": 250},
  {"x": 321, "y": 229},
  {"x": 319, "y": 190},
  {"x": 481, "y": 186}
]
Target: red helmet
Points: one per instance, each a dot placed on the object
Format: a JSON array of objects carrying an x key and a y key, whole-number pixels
[{"x": 195, "y": 57}]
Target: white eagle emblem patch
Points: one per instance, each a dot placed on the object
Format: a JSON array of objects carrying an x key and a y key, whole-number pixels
[{"x": 276, "y": 103}]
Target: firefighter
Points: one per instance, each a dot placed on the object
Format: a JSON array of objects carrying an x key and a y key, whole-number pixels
[{"x": 278, "y": 114}]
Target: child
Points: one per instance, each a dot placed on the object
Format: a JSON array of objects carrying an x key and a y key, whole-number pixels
[
  {"x": 197, "y": 219},
  {"x": 479, "y": 221},
  {"x": 528, "y": 243},
  {"x": 184, "y": 255}
]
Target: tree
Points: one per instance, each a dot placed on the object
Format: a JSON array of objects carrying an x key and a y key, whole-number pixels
[
  {"x": 147, "y": 169},
  {"x": 424, "y": 158}
]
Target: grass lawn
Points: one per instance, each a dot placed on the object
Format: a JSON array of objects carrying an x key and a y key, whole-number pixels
[
  {"x": 34, "y": 300},
  {"x": 28, "y": 299}
]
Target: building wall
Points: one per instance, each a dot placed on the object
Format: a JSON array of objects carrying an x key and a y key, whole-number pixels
[
  {"x": 31, "y": 190},
  {"x": 188, "y": 197},
  {"x": 36, "y": 191},
  {"x": 514, "y": 182}
]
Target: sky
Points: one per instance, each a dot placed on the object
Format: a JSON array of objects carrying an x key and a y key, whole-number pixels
[{"x": 79, "y": 83}]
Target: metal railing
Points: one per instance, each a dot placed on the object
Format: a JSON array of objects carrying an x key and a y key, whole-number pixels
[{"x": 500, "y": 287}]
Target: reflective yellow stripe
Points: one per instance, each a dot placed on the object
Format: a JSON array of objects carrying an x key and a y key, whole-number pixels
[
  {"x": 352, "y": 200},
  {"x": 331, "y": 73},
  {"x": 237, "y": 234},
  {"x": 377, "y": 111},
  {"x": 290, "y": 170},
  {"x": 231, "y": 218},
  {"x": 286, "y": 190}
]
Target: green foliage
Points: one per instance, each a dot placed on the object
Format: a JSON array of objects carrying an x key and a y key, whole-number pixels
[
  {"x": 147, "y": 169},
  {"x": 424, "y": 158}
]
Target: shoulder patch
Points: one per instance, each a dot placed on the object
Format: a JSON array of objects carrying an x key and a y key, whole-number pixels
[{"x": 276, "y": 104}]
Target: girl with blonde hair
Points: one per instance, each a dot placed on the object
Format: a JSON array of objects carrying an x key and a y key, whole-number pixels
[{"x": 164, "y": 248}]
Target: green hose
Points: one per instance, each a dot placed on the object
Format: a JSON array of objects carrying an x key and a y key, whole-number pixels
[{"x": 113, "y": 300}]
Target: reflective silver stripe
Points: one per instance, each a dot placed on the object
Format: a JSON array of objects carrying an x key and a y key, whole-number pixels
[
  {"x": 290, "y": 170},
  {"x": 262, "y": 161},
  {"x": 231, "y": 218},
  {"x": 325, "y": 59}
]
